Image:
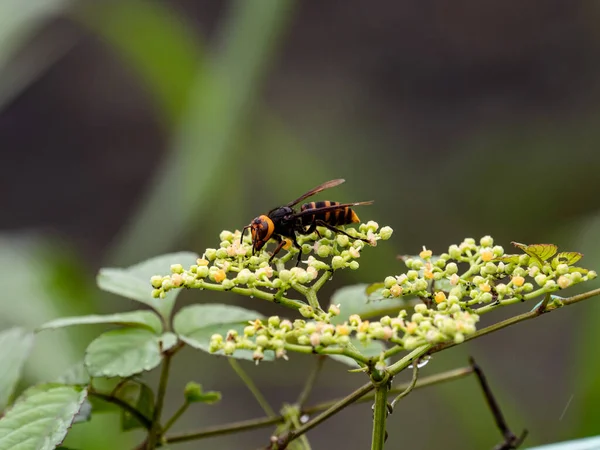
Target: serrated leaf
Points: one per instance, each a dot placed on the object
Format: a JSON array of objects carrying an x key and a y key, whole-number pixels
[
  {"x": 84, "y": 414},
  {"x": 123, "y": 353},
  {"x": 568, "y": 258},
  {"x": 354, "y": 300},
  {"x": 134, "y": 282},
  {"x": 372, "y": 349},
  {"x": 141, "y": 397},
  {"x": 195, "y": 325},
  {"x": 581, "y": 270},
  {"x": 15, "y": 345},
  {"x": 41, "y": 417},
  {"x": 143, "y": 319},
  {"x": 508, "y": 259},
  {"x": 541, "y": 252}
]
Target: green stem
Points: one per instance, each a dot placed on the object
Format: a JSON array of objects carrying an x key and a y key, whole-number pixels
[
  {"x": 516, "y": 319},
  {"x": 327, "y": 351},
  {"x": 220, "y": 430},
  {"x": 334, "y": 409},
  {"x": 410, "y": 386},
  {"x": 303, "y": 439},
  {"x": 402, "y": 364},
  {"x": 322, "y": 280},
  {"x": 380, "y": 412},
  {"x": 155, "y": 433},
  {"x": 423, "y": 382},
  {"x": 252, "y": 292},
  {"x": 183, "y": 408},
  {"x": 262, "y": 401},
  {"x": 310, "y": 382}
]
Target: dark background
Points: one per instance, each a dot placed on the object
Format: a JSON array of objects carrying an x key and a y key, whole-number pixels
[{"x": 134, "y": 128}]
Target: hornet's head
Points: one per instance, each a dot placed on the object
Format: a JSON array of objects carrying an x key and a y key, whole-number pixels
[{"x": 261, "y": 228}]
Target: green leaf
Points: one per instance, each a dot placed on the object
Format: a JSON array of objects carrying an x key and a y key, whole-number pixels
[
  {"x": 41, "y": 417},
  {"x": 85, "y": 412},
  {"x": 541, "y": 252},
  {"x": 371, "y": 349},
  {"x": 15, "y": 345},
  {"x": 123, "y": 353},
  {"x": 134, "y": 282},
  {"x": 354, "y": 300},
  {"x": 141, "y": 397},
  {"x": 195, "y": 325},
  {"x": 568, "y": 258},
  {"x": 508, "y": 259},
  {"x": 590, "y": 443},
  {"x": 143, "y": 319}
]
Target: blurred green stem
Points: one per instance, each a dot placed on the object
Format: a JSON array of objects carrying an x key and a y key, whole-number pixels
[
  {"x": 155, "y": 433},
  {"x": 363, "y": 397},
  {"x": 310, "y": 381},
  {"x": 183, "y": 408},
  {"x": 262, "y": 401}
]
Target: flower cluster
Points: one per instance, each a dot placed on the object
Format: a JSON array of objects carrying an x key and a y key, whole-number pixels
[
  {"x": 490, "y": 277},
  {"x": 233, "y": 265},
  {"x": 425, "y": 326}
]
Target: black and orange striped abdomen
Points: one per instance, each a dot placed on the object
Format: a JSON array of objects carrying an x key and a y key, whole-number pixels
[{"x": 341, "y": 216}]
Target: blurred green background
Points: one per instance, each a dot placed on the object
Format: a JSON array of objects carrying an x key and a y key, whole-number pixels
[{"x": 133, "y": 128}]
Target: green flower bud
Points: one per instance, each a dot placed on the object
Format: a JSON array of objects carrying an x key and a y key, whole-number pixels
[
  {"x": 221, "y": 253},
  {"x": 210, "y": 254},
  {"x": 386, "y": 293},
  {"x": 417, "y": 317},
  {"x": 262, "y": 341},
  {"x": 285, "y": 275},
  {"x": 229, "y": 348},
  {"x": 228, "y": 284},
  {"x": 385, "y": 233},
  {"x": 498, "y": 251},
  {"x": 412, "y": 275},
  {"x": 389, "y": 282},
  {"x": 225, "y": 244},
  {"x": 249, "y": 331},
  {"x": 274, "y": 321},
  {"x": 417, "y": 264},
  {"x": 303, "y": 340},
  {"x": 156, "y": 281},
  {"x": 524, "y": 260},
  {"x": 362, "y": 337},
  {"x": 485, "y": 297},
  {"x": 441, "y": 263},
  {"x": 176, "y": 268},
  {"x": 486, "y": 241},
  {"x": 324, "y": 251},
  {"x": 337, "y": 262},
  {"x": 528, "y": 287},
  {"x": 202, "y": 271},
  {"x": 306, "y": 249},
  {"x": 576, "y": 277},
  {"x": 491, "y": 268},
  {"x": 501, "y": 289},
  {"x": 459, "y": 338},
  {"x": 167, "y": 284},
  {"x": 254, "y": 261},
  {"x": 478, "y": 280},
  {"x": 591, "y": 274},
  {"x": 342, "y": 240},
  {"x": 156, "y": 293},
  {"x": 306, "y": 311},
  {"x": 226, "y": 236},
  {"x": 421, "y": 308},
  {"x": 451, "y": 268},
  {"x": 469, "y": 241},
  {"x": 354, "y": 265},
  {"x": 420, "y": 285},
  {"x": 454, "y": 251},
  {"x": 562, "y": 269},
  {"x": 541, "y": 279},
  {"x": 550, "y": 284}
]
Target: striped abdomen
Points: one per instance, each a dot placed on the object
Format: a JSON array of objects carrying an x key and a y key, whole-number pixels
[{"x": 341, "y": 216}]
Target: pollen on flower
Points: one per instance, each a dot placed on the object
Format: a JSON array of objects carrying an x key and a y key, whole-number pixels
[
  {"x": 440, "y": 297},
  {"x": 518, "y": 281},
  {"x": 425, "y": 254}
]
